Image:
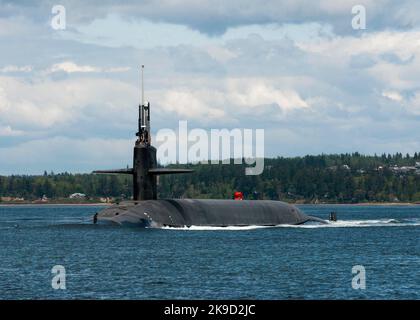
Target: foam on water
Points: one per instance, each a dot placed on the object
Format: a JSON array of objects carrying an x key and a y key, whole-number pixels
[
  {"x": 313, "y": 225},
  {"x": 360, "y": 223},
  {"x": 208, "y": 228}
]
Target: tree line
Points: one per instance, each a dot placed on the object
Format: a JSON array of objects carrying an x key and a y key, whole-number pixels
[{"x": 341, "y": 178}]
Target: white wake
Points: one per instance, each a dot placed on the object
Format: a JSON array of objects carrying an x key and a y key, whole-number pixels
[
  {"x": 360, "y": 223},
  {"x": 312, "y": 225}
]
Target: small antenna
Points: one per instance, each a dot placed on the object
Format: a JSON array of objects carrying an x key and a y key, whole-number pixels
[{"x": 142, "y": 86}]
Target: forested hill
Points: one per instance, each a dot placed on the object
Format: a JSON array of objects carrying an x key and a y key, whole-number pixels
[{"x": 345, "y": 178}]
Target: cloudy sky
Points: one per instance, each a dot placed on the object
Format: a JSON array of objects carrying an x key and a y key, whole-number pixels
[{"x": 297, "y": 68}]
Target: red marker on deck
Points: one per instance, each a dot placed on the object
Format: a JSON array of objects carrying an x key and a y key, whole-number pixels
[{"x": 238, "y": 195}]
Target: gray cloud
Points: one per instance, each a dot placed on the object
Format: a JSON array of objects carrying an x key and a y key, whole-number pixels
[{"x": 216, "y": 16}]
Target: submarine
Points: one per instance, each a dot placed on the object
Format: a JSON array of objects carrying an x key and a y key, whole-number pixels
[{"x": 146, "y": 210}]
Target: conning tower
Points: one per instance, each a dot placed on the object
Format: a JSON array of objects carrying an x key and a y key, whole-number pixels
[{"x": 144, "y": 168}]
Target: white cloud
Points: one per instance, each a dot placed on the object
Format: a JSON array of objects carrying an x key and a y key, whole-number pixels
[
  {"x": 71, "y": 67},
  {"x": 402, "y": 44},
  {"x": 216, "y": 104},
  {"x": 191, "y": 105},
  {"x": 256, "y": 92},
  {"x": 48, "y": 104},
  {"x": 410, "y": 104},
  {"x": 392, "y": 95},
  {"x": 13, "y": 68}
]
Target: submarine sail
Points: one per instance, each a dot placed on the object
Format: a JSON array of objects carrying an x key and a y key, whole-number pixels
[{"x": 144, "y": 169}]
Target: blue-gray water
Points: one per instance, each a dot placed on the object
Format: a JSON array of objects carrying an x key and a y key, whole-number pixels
[{"x": 307, "y": 262}]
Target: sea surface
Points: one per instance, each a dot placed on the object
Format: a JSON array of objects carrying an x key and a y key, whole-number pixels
[{"x": 298, "y": 262}]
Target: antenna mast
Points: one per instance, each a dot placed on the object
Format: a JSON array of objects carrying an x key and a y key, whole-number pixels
[
  {"x": 142, "y": 85},
  {"x": 144, "y": 116}
]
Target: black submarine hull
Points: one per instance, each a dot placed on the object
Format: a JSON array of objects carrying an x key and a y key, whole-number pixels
[
  {"x": 180, "y": 213},
  {"x": 148, "y": 211}
]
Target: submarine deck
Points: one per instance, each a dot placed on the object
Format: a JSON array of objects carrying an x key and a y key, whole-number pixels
[{"x": 204, "y": 212}]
